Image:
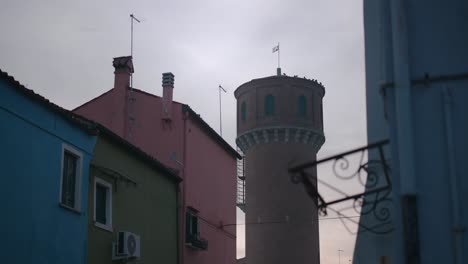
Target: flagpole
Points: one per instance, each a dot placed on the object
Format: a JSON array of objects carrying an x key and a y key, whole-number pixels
[{"x": 278, "y": 55}]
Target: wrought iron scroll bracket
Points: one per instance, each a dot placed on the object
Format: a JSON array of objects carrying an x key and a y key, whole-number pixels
[{"x": 373, "y": 175}]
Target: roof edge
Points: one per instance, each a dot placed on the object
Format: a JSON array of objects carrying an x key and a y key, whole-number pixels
[
  {"x": 142, "y": 155},
  {"x": 87, "y": 125},
  {"x": 210, "y": 131}
]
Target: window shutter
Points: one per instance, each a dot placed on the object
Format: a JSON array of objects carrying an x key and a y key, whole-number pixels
[
  {"x": 188, "y": 221},
  {"x": 101, "y": 201},
  {"x": 269, "y": 105},
  {"x": 195, "y": 226},
  {"x": 69, "y": 179}
]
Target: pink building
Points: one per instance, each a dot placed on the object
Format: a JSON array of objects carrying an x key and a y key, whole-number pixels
[{"x": 177, "y": 136}]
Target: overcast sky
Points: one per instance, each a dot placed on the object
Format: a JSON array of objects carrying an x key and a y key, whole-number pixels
[{"x": 63, "y": 50}]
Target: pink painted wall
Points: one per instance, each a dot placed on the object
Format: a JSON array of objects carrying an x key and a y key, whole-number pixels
[
  {"x": 211, "y": 186},
  {"x": 209, "y": 173}
]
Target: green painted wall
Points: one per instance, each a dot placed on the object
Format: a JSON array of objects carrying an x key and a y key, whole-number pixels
[{"x": 147, "y": 208}]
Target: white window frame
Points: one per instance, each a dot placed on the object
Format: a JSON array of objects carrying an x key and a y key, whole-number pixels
[
  {"x": 78, "y": 179},
  {"x": 108, "y": 186}
]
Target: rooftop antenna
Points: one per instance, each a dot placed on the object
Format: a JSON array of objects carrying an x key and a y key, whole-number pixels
[
  {"x": 339, "y": 255},
  {"x": 220, "y": 118},
  {"x": 130, "y": 97},
  {"x": 132, "y": 18}
]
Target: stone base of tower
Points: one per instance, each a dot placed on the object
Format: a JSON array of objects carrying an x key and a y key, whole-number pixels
[{"x": 282, "y": 221}]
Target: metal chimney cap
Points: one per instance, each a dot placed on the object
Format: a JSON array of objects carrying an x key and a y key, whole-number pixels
[
  {"x": 168, "y": 79},
  {"x": 124, "y": 62}
]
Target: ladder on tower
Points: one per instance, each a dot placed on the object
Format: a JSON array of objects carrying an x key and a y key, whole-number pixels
[{"x": 241, "y": 182}]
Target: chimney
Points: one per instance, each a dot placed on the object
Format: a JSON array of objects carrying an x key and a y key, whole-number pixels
[
  {"x": 168, "y": 86},
  {"x": 123, "y": 69}
]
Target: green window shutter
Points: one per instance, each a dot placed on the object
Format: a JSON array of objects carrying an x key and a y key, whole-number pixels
[
  {"x": 69, "y": 179},
  {"x": 101, "y": 202},
  {"x": 191, "y": 227},
  {"x": 302, "y": 106},
  {"x": 243, "y": 111},
  {"x": 188, "y": 221},
  {"x": 195, "y": 226},
  {"x": 269, "y": 105}
]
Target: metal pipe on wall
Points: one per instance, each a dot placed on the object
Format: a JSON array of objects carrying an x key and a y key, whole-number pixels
[
  {"x": 457, "y": 228},
  {"x": 404, "y": 124},
  {"x": 402, "y": 80}
]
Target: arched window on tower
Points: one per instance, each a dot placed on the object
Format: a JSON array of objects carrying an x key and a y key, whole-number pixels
[
  {"x": 269, "y": 105},
  {"x": 243, "y": 111},
  {"x": 302, "y": 106}
]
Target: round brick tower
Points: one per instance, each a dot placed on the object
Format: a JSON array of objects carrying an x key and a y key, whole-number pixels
[{"x": 279, "y": 122}]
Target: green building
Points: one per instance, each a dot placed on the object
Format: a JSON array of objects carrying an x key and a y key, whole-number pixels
[{"x": 132, "y": 205}]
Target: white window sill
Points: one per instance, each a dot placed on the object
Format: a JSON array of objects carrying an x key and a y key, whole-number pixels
[
  {"x": 105, "y": 227},
  {"x": 70, "y": 208}
]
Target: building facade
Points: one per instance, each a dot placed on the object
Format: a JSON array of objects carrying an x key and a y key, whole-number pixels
[
  {"x": 45, "y": 161},
  {"x": 419, "y": 54},
  {"x": 130, "y": 192},
  {"x": 174, "y": 134},
  {"x": 371, "y": 247},
  {"x": 279, "y": 123},
  {"x": 74, "y": 186}
]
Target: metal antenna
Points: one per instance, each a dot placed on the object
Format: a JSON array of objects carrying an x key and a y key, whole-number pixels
[
  {"x": 132, "y": 18},
  {"x": 339, "y": 255},
  {"x": 130, "y": 97},
  {"x": 220, "y": 118}
]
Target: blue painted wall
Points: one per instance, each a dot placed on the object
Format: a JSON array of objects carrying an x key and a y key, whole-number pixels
[
  {"x": 405, "y": 41},
  {"x": 371, "y": 247},
  {"x": 34, "y": 228}
]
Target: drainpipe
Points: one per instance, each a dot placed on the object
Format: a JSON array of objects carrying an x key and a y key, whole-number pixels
[
  {"x": 403, "y": 97},
  {"x": 178, "y": 217},
  {"x": 184, "y": 185},
  {"x": 409, "y": 206},
  {"x": 457, "y": 227}
]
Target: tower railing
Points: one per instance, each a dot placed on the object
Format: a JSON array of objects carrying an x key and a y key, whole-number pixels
[{"x": 241, "y": 182}]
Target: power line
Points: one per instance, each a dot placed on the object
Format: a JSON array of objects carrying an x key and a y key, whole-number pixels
[
  {"x": 287, "y": 221},
  {"x": 220, "y": 227}
]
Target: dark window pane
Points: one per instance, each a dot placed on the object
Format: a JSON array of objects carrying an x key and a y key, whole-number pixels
[
  {"x": 243, "y": 111},
  {"x": 121, "y": 244},
  {"x": 302, "y": 106},
  {"x": 195, "y": 225},
  {"x": 101, "y": 201},
  {"x": 69, "y": 179},
  {"x": 188, "y": 233},
  {"x": 191, "y": 227},
  {"x": 269, "y": 105}
]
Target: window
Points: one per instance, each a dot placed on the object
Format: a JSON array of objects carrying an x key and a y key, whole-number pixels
[
  {"x": 269, "y": 105},
  {"x": 103, "y": 204},
  {"x": 302, "y": 106},
  {"x": 321, "y": 114},
  {"x": 70, "y": 186},
  {"x": 243, "y": 111},
  {"x": 192, "y": 233},
  {"x": 191, "y": 226}
]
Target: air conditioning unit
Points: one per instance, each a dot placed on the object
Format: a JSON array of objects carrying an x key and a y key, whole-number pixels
[{"x": 127, "y": 246}]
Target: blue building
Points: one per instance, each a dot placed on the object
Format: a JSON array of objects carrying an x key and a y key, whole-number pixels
[
  {"x": 45, "y": 155},
  {"x": 417, "y": 94}
]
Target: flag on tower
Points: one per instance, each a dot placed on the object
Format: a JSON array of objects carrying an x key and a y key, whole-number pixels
[{"x": 276, "y": 48}]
